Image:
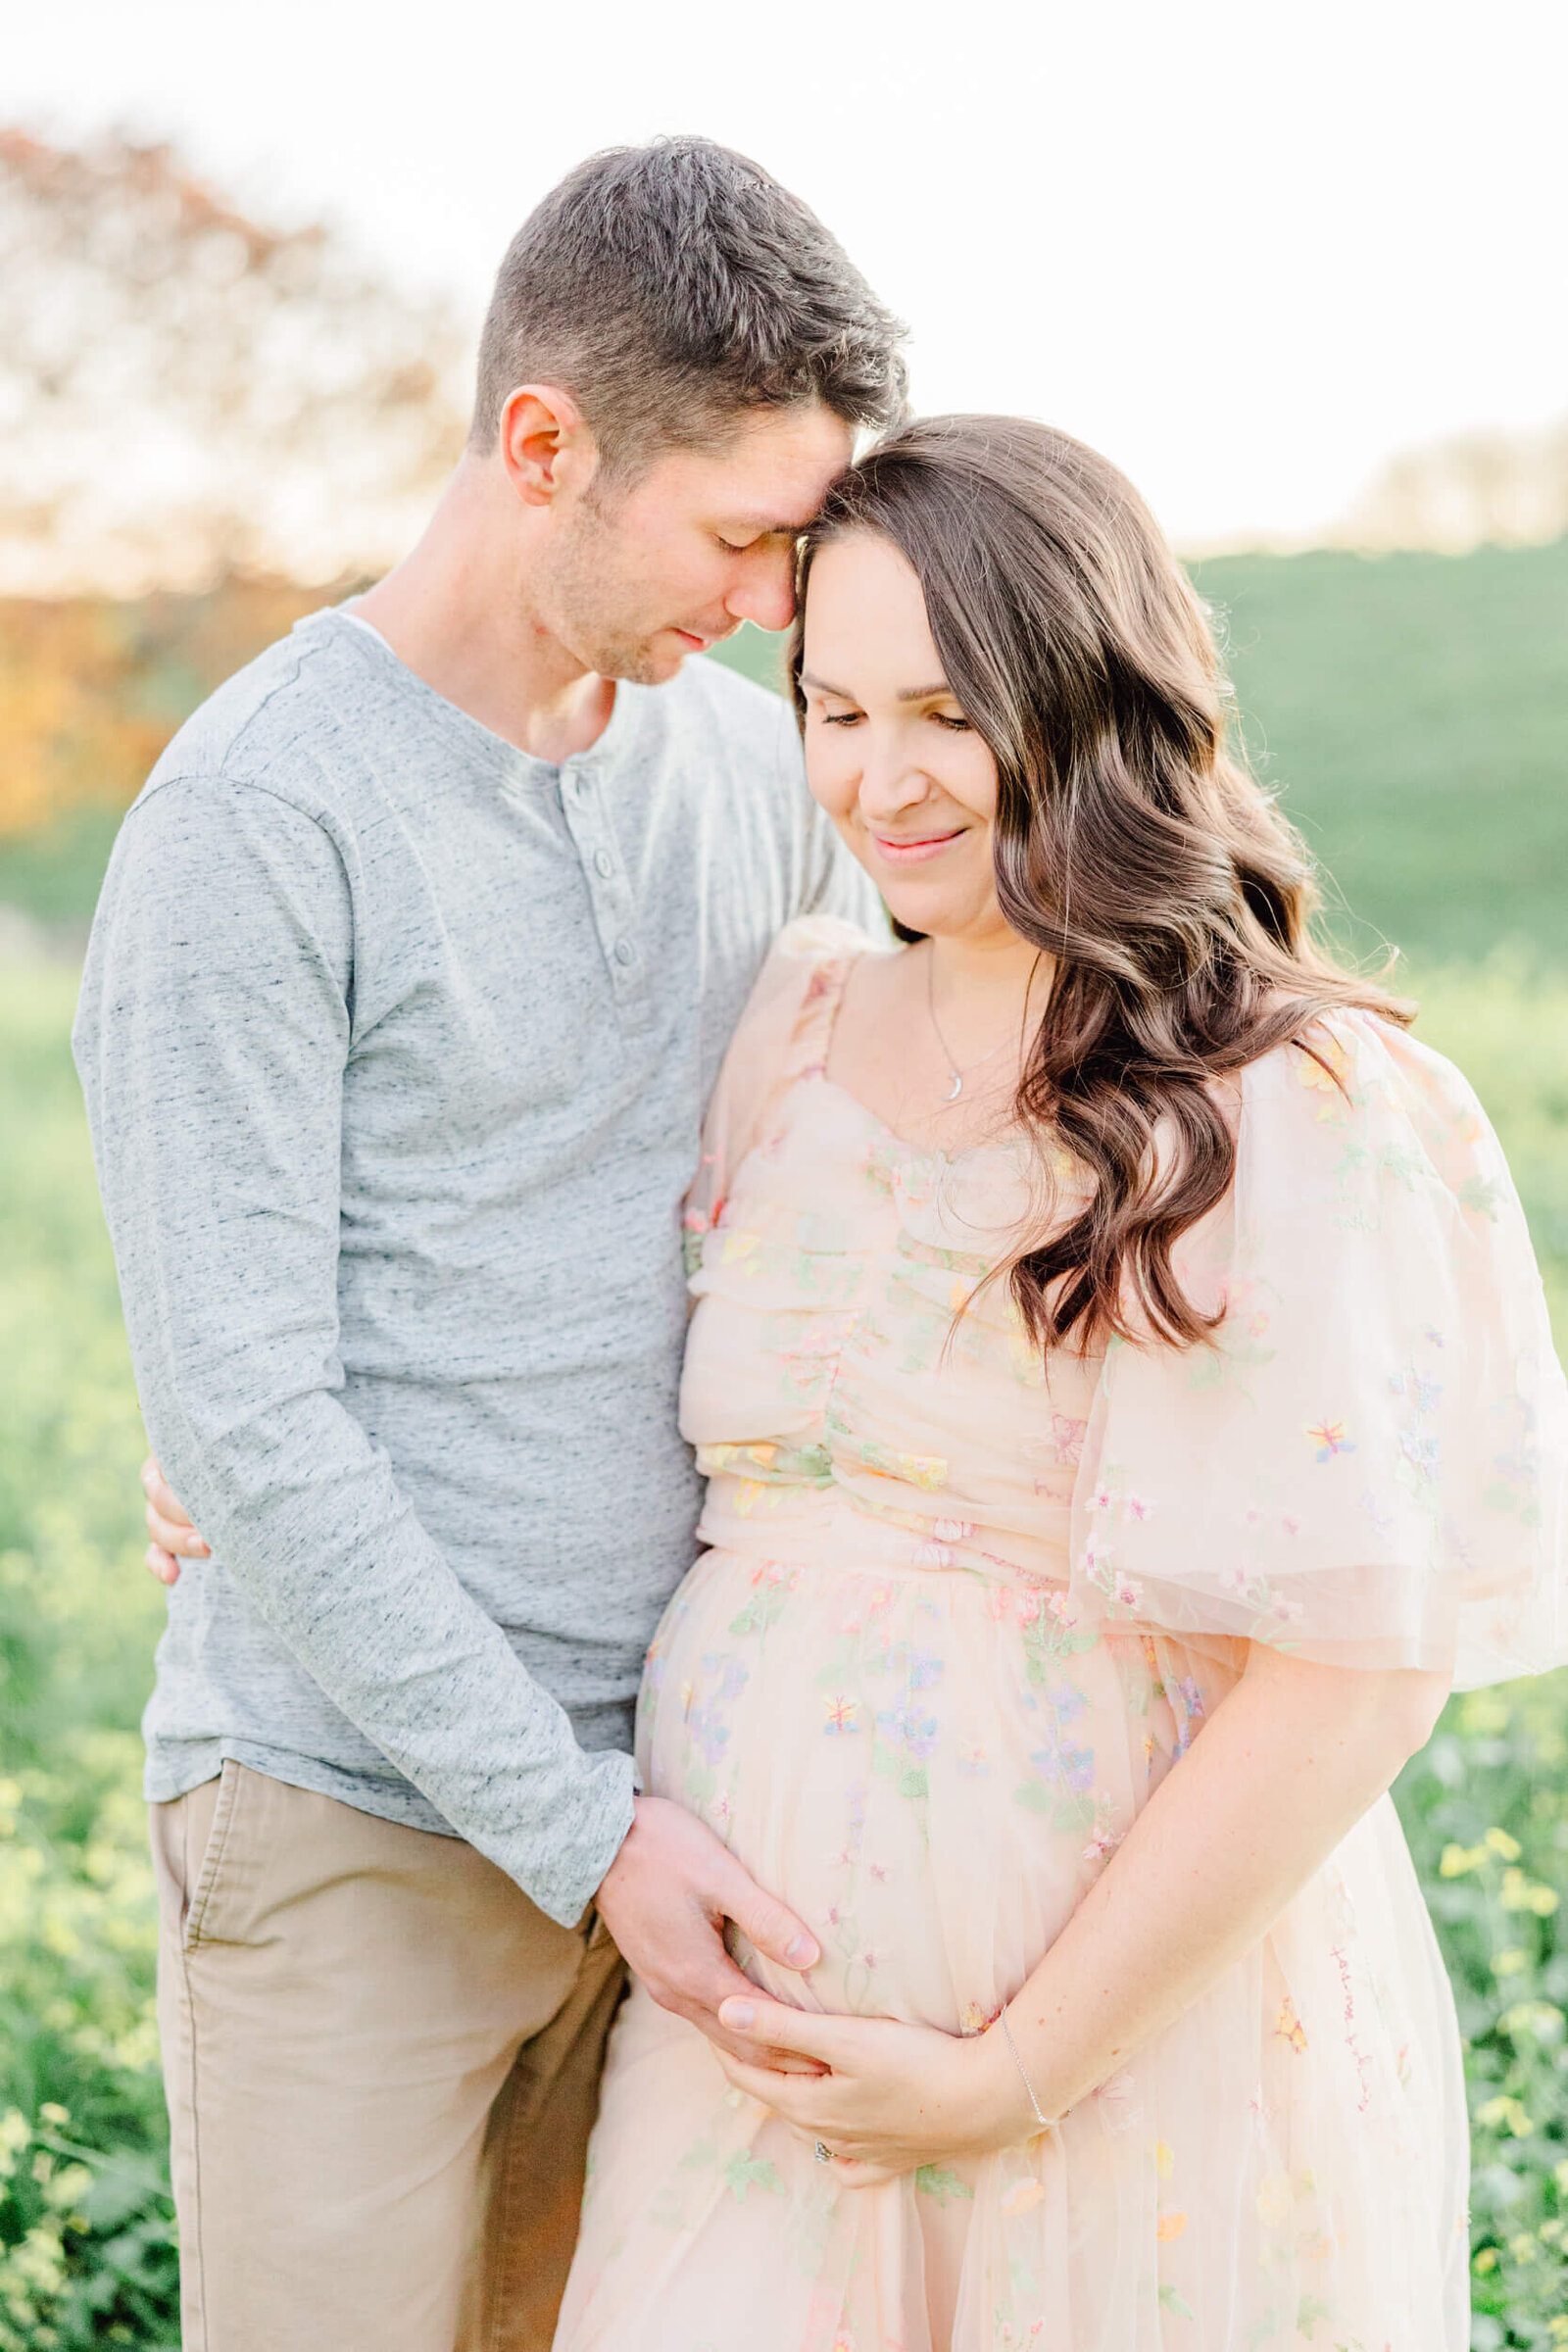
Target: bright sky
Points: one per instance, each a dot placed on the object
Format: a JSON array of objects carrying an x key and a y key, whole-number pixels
[{"x": 1248, "y": 247}]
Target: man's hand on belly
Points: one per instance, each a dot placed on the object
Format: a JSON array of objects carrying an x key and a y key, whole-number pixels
[{"x": 665, "y": 1898}]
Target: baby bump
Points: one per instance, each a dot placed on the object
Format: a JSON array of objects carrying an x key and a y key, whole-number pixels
[{"x": 930, "y": 1768}]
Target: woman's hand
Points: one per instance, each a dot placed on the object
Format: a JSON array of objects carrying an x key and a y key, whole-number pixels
[
  {"x": 171, "y": 1530},
  {"x": 896, "y": 2096}
]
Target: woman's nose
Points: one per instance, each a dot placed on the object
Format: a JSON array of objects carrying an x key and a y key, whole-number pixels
[{"x": 890, "y": 784}]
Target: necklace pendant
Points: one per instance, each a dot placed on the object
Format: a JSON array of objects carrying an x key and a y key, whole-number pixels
[{"x": 958, "y": 1086}]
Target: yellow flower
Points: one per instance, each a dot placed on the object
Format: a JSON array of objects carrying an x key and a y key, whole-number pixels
[
  {"x": 1164, "y": 2159},
  {"x": 1169, "y": 2225},
  {"x": 1326, "y": 1074},
  {"x": 1022, "y": 2194},
  {"x": 1274, "y": 2201},
  {"x": 1495, "y": 2113},
  {"x": 1289, "y": 2027}
]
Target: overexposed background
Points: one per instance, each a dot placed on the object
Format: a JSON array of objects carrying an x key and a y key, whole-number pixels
[{"x": 1253, "y": 250}]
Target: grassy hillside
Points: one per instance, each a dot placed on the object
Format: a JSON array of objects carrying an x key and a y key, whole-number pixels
[{"x": 1412, "y": 710}]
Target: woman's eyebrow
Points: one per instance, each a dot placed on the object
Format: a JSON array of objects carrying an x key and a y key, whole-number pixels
[{"x": 906, "y": 694}]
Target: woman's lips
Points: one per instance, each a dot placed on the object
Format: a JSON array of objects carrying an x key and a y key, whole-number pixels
[{"x": 912, "y": 853}]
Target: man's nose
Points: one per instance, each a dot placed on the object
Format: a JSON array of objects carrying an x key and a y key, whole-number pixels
[{"x": 766, "y": 593}]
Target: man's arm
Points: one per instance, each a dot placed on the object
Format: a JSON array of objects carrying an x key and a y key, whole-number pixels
[
  {"x": 211, "y": 1041},
  {"x": 212, "y": 1038}
]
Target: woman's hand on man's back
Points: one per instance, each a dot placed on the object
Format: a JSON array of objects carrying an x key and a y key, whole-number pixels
[{"x": 174, "y": 1537}]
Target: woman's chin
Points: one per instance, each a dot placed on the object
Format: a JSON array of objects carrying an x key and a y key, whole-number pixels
[{"x": 935, "y": 913}]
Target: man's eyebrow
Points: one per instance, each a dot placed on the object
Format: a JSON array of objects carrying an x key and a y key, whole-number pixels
[{"x": 769, "y": 525}]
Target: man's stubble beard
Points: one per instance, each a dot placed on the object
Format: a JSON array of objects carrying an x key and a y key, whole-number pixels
[{"x": 582, "y": 596}]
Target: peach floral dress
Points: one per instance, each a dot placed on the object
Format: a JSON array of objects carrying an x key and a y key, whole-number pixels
[{"x": 959, "y": 1619}]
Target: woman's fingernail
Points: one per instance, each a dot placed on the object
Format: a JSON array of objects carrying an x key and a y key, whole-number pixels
[
  {"x": 800, "y": 1953},
  {"x": 739, "y": 2016}
]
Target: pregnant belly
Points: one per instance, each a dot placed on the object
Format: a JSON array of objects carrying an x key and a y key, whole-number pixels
[{"x": 929, "y": 1768}]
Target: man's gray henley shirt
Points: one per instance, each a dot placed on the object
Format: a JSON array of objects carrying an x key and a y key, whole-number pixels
[{"x": 395, "y": 1044}]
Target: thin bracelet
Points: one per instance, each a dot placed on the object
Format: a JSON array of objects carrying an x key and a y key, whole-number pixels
[{"x": 1044, "y": 2121}]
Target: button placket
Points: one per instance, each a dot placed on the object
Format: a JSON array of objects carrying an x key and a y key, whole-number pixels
[{"x": 609, "y": 892}]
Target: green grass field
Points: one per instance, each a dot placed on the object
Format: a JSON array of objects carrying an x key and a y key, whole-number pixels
[{"x": 1412, "y": 713}]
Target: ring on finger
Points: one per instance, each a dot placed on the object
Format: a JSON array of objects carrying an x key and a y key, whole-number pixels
[{"x": 822, "y": 2153}]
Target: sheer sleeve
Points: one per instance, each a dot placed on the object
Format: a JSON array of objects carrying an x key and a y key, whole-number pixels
[
  {"x": 1367, "y": 1467},
  {"x": 786, "y": 1021}
]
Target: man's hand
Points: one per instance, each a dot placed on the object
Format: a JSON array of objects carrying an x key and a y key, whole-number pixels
[
  {"x": 665, "y": 1898},
  {"x": 174, "y": 1537}
]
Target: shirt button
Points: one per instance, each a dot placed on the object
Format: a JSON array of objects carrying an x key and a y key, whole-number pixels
[
  {"x": 604, "y": 863},
  {"x": 625, "y": 952},
  {"x": 581, "y": 787}
]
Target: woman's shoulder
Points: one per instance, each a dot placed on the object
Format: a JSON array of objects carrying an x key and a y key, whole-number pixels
[
  {"x": 1359, "y": 1092},
  {"x": 813, "y": 941}
]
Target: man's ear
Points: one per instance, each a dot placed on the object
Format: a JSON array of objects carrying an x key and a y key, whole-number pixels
[{"x": 545, "y": 443}]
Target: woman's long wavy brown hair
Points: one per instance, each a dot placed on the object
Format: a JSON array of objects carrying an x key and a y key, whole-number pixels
[{"x": 1132, "y": 846}]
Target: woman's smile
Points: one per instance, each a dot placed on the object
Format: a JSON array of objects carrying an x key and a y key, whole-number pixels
[{"x": 921, "y": 846}]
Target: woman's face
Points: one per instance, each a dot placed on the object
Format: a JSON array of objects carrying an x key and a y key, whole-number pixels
[{"x": 889, "y": 753}]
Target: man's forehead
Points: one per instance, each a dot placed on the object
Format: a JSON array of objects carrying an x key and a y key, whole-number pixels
[{"x": 775, "y": 474}]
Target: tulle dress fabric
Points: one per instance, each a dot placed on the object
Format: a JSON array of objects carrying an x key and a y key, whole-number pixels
[{"x": 958, "y": 1621}]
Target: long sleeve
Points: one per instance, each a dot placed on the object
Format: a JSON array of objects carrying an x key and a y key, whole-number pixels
[{"x": 216, "y": 1029}]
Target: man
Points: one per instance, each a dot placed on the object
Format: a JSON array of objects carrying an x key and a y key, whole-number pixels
[{"x": 412, "y": 969}]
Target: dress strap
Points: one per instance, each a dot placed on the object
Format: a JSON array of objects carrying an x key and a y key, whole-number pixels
[
  {"x": 818, "y": 1016},
  {"x": 783, "y": 1035}
]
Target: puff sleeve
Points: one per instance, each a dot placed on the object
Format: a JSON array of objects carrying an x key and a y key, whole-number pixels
[{"x": 1367, "y": 1466}]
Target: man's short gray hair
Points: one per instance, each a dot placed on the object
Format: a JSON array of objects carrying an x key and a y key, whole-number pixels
[{"x": 671, "y": 288}]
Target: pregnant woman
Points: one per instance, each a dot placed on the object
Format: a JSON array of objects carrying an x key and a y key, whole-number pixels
[{"x": 1128, "y": 1405}]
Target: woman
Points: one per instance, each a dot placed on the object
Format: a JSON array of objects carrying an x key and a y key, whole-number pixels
[{"x": 1116, "y": 1344}]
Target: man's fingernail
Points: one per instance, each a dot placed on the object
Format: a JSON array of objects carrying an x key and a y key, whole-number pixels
[
  {"x": 739, "y": 2016},
  {"x": 800, "y": 1953}
]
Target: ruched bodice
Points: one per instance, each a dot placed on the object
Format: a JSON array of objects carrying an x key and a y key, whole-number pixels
[{"x": 835, "y": 1308}]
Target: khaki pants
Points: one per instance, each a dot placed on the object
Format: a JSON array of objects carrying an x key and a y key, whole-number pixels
[{"x": 382, "y": 2064}]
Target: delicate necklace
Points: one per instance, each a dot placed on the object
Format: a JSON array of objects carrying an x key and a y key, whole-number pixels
[{"x": 954, "y": 1072}]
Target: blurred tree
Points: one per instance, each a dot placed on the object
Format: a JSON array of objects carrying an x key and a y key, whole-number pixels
[
  {"x": 1477, "y": 489},
  {"x": 186, "y": 393},
  {"x": 91, "y": 688}
]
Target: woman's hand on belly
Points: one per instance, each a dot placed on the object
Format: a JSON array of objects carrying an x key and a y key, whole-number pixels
[{"x": 896, "y": 2096}]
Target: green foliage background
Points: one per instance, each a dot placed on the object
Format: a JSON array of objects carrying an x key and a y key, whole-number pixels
[{"x": 1413, "y": 714}]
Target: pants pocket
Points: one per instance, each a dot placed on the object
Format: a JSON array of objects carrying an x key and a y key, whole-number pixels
[{"x": 199, "y": 1920}]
